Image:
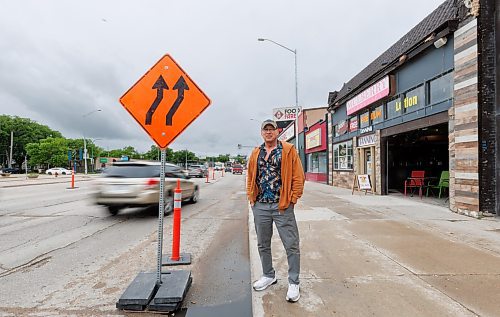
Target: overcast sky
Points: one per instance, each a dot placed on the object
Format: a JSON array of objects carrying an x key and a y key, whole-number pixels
[{"x": 60, "y": 60}]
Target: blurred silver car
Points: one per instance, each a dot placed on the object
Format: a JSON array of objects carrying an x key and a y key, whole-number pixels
[
  {"x": 137, "y": 184},
  {"x": 197, "y": 171}
]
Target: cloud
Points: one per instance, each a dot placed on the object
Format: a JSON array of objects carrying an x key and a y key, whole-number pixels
[{"x": 62, "y": 60}]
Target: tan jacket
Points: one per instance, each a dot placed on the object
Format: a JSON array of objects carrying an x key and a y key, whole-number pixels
[{"x": 292, "y": 176}]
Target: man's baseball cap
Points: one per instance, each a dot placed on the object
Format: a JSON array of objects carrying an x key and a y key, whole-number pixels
[{"x": 269, "y": 122}]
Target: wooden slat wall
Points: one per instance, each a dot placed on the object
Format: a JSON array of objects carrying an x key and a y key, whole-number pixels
[{"x": 464, "y": 146}]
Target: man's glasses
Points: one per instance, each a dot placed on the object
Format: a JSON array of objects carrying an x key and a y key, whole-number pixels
[{"x": 268, "y": 130}]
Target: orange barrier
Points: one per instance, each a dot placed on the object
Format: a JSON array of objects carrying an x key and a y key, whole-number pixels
[
  {"x": 72, "y": 179},
  {"x": 213, "y": 174},
  {"x": 176, "y": 239}
]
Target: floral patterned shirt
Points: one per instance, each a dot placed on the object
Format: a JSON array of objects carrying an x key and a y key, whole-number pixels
[{"x": 269, "y": 174}]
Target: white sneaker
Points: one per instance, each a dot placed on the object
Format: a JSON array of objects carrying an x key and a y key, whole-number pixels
[
  {"x": 293, "y": 293},
  {"x": 263, "y": 283}
]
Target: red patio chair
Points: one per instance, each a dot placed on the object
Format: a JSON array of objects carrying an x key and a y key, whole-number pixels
[{"x": 416, "y": 180}]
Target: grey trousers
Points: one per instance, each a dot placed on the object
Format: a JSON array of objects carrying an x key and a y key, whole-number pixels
[{"x": 264, "y": 214}]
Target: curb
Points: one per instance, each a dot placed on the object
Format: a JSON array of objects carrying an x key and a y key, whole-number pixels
[{"x": 257, "y": 305}]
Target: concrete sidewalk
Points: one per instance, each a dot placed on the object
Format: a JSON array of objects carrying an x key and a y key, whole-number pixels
[{"x": 384, "y": 256}]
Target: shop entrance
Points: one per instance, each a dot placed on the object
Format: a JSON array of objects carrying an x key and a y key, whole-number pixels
[
  {"x": 424, "y": 149},
  {"x": 366, "y": 163}
]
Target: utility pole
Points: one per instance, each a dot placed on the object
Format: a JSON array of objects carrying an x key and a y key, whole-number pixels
[
  {"x": 26, "y": 165},
  {"x": 11, "y": 147}
]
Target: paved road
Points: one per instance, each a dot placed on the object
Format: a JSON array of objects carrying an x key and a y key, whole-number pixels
[{"x": 62, "y": 255}]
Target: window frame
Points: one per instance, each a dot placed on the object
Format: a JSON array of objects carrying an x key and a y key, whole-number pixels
[{"x": 348, "y": 156}]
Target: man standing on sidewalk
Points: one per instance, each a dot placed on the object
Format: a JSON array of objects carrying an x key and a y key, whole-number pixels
[{"x": 275, "y": 182}]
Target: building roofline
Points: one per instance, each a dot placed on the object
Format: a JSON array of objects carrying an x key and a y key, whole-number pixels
[{"x": 443, "y": 20}]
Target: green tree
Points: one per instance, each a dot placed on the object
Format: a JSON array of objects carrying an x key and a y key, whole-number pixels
[
  {"x": 153, "y": 154},
  {"x": 50, "y": 152},
  {"x": 25, "y": 131},
  {"x": 223, "y": 158},
  {"x": 183, "y": 157},
  {"x": 126, "y": 151}
]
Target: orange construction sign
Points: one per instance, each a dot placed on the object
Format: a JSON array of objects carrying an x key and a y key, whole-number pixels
[{"x": 165, "y": 101}]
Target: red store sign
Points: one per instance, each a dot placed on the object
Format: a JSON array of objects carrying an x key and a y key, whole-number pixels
[{"x": 377, "y": 91}]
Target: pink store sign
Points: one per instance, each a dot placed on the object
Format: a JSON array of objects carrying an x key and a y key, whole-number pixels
[{"x": 375, "y": 92}]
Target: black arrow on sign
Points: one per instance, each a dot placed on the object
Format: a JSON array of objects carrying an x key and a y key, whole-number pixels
[
  {"x": 159, "y": 85},
  {"x": 180, "y": 86}
]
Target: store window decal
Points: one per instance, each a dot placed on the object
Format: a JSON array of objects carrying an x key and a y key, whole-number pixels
[
  {"x": 364, "y": 120},
  {"x": 377, "y": 115},
  {"x": 414, "y": 99}
]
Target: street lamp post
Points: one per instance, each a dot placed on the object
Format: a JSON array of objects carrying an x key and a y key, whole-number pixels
[
  {"x": 85, "y": 141},
  {"x": 296, "y": 86},
  {"x": 92, "y": 153}
]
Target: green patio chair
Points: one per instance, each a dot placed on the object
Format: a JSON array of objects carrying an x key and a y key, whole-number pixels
[{"x": 444, "y": 182}]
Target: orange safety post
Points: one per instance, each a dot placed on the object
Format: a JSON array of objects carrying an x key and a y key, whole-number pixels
[
  {"x": 213, "y": 173},
  {"x": 176, "y": 241},
  {"x": 72, "y": 179},
  {"x": 222, "y": 172}
]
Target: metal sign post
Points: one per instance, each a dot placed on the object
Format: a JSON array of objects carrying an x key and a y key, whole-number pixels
[
  {"x": 160, "y": 216},
  {"x": 171, "y": 111}
]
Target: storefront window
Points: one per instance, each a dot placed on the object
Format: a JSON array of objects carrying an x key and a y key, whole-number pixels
[
  {"x": 414, "y": 99},
  {"x": 394, "y": 108},
  {"x": 364, "y": 120},
  {"x": 377, "y": 115},
  {"x": 316, "y": 162},
  {"x": 441, "y": 88},
  {"x": 342, "y": 156}
]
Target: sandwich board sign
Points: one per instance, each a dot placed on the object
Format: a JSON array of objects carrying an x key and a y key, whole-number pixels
[
  {"x": 362, "y": 182},
  {"x": 165, "y": 101}
]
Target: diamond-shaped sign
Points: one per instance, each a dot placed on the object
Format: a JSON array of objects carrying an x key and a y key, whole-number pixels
[
  {"x": 165, "y": 101},
  {"x": 278, "y": 114}
]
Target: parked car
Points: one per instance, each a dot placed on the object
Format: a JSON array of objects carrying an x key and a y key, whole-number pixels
[
  {"x": 238, "y": 169},
  {"x": 58, "y": 170},
  {"x": 137, "y": 184},
  {"x": 197, "y": 171},
  {"x": 227, "y": 169},
  {"x": 11, "y": 170}
]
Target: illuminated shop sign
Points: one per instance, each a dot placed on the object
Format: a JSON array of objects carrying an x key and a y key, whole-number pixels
[
  {"x": 313, "y": 139},
  {"x": 377, "y": 91}
]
